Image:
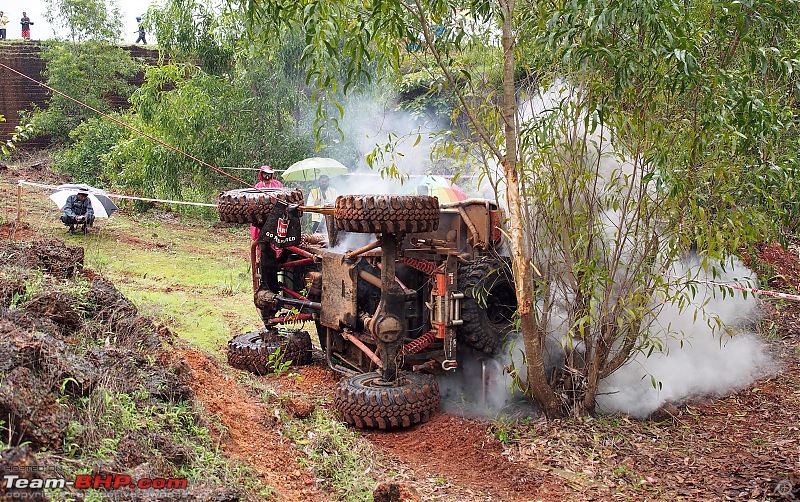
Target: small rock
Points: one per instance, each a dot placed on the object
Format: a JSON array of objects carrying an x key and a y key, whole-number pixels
[
  {"x": 298, "y": 407},
  {"x": 394, "y": 492}
]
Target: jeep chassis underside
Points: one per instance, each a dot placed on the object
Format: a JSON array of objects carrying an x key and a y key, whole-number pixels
[{"x": 394, "y": 307}]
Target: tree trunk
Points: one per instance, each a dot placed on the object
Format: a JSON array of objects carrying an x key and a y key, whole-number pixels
[{"x": 532, "y": 336}]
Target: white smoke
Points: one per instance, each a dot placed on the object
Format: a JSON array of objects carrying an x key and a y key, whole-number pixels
[
  {"x": 482, "y": 385},
  {"x": 374, "y": 126},
  {"x": 698, "y": 357},
  {"x": 706, "y": 349}
]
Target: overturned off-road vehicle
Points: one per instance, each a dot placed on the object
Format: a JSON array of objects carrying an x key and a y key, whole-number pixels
[{"x": 400, "y": 289}]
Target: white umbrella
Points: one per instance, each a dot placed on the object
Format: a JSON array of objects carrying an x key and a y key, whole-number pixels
[
  {"x": 101, "y": 204},
  {"x": 312, "y": 168}
]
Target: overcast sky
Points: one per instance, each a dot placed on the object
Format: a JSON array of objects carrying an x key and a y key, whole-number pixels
[{"x": 42, "y": 30}]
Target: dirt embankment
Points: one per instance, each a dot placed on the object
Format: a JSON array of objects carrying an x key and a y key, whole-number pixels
[{"x": 87, "y": 382}]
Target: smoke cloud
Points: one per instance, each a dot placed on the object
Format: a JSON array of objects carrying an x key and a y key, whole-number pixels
[
  {"x": 708, "y": 348},
  {"x": 699, "y": 359}
]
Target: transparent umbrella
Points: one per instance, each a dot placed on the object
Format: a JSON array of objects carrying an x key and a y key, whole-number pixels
[{"x": 102, "y": 205}]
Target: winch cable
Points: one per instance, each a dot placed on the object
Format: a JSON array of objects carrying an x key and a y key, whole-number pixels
[{"x": 128, "y": 126}]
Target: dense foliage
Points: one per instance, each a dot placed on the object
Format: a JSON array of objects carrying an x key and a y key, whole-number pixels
[
  {"x": 93, "y": 73},
  {"x": 214, "y": 99}
]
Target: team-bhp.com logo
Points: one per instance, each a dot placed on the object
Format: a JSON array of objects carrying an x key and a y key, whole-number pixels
[
  {"x": 86, "y": 481},
  {"x": 787, "y": 490}
]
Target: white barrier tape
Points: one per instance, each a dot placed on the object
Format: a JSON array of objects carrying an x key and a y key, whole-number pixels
[
  {"x": 118, "y": 196},
  {"x": 776, "y": 294}
]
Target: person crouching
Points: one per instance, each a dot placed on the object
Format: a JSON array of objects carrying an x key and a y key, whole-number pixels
[{"x": 78, "y": 211}]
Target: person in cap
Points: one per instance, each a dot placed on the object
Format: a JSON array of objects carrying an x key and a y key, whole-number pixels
[
  {"x": 322, "y": 195},
  {"x": 266, "y": 179},
  {"x": 141, "y": 31},
  {"x": 78, "y": 211}
]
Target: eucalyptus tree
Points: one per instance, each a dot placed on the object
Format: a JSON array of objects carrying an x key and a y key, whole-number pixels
[
  {"x": 699, "y": 102},
  {"x": 195, "y": 31},
  {"x": 672, "y": 129}
]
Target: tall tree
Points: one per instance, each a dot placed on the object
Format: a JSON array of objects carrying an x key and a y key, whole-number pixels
[
  {"x": 194, "y": 31},
  {"x": 98, "y": 20},
  {"x": 678, "y": 97}
]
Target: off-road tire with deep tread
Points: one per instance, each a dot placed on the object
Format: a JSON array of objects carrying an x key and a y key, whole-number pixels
[
  {"x": 489, "y": 303},
  {"x": 365, "y": 402},
  {"x": 386, "y": 214},
  {"x": 251, "y": 351},
  {"x": 253, "y": 205}
]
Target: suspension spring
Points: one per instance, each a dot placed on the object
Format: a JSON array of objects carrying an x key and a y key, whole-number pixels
[
  {"x": 424, "y": 266},
  {"x": 419, "y": 344},
  {"x": 292, "y": 319}
]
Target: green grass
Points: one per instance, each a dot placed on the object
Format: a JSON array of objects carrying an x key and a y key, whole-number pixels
[
  {"x": 189, "y": 275},
  {"x": 341, "y": 458},
  {"x": 180, "y": 269},
  {"x": 195, "y": 279}
]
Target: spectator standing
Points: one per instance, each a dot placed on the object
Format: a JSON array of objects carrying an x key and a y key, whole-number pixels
[
  {"x": 3, "y": 23},
  {"x": 26, "y": 26},
  {"x": 321, "y": 195},
  {"x": 266, "y": 179},
  {"x": 141, "y": 31}
]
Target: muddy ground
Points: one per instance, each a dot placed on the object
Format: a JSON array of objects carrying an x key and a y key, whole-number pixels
[{"x": 745, "y": 446}]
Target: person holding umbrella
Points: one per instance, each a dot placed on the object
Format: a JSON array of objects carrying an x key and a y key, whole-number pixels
[
  {"x": 322, "y": 195},
  {"x": 78, "y": 211}
]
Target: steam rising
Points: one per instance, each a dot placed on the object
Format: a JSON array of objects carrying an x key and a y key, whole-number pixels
[{"x": 698, "y": 359}]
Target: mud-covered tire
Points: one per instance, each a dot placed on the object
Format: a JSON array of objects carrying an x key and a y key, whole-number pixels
[
  {"x": 489, "y": 304},
  {"x": 375, "y": 214},
  {"x": 253, "y": 205},
  {"x": 366, "y": 402},
  {"x": 252, "y": 351}
]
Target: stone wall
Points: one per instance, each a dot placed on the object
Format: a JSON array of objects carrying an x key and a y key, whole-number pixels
[{"x": 18, "y": 93}]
